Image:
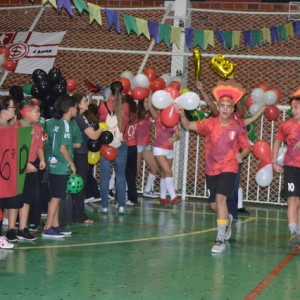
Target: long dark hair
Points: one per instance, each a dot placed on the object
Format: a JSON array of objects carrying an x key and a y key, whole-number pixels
[
  {"x": 142, "y": 112},
  {"x": 132, "y": 106},
  {"x": 117, "y": 89}
]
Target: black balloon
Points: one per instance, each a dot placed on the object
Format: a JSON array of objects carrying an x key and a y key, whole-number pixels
[
  {"x": 48, "y": 112},
  {"x": 38, "y": 75},
  {"x": 35, "y": 92},
  {"x": 54, "y": 75},
  {"x": 94, "y": 125},
  {"x": 58, "y": 90},
  {"x": 106, "y": 137},
  {"x": 63, "y": 82},
  {"x": 44, "y": 87},
  {"x": 93, "y": 145}
]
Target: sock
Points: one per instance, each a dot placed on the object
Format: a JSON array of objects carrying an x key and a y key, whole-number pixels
[
  {"x": 163, "y": 189},
  {"x": 240, "y": 198},
  {"x": 221, "y": 225},
  {"x": 293, "y": 227},
  {"x": 150, "y": 181},
  {"x": 170, "y": 187}
]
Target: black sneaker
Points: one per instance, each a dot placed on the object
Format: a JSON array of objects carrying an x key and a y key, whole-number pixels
[
  {"x": 24, "y": 234},
  {"x": 11, "y": 235},
  {"x": 244, "y": 211},
  {"x": 111, "y": 194}
]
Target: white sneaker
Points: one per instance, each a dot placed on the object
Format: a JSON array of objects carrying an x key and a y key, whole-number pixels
[
  {"x": 218, "y": 247},
  {"x": 4, "y": 244},
  {"x": 129, "y": 203},
  {"x": 89, "y": 199},
  {"x": 150, "y": 194},
  {"x": 227, "y": 234}
]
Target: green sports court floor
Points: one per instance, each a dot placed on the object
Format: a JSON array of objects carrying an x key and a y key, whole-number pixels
[{"x": 157, "y": 252}]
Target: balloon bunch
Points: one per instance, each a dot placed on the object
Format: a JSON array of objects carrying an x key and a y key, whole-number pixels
[
  {"x": 5, "y": 62},
  {"x": 264, "y": 95},
  {"x": 262, "y": 151},
  {"x": 222, "y": 66}
]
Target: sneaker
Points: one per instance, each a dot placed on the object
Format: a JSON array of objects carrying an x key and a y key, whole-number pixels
[
  {"x": 218, "y": 247},
  {"x": 164, "y": 201},
  {"x": 95, "y": 200},
  {"x": 103, "y": 210},
  {"x": 150, "y": 194},
  {"x": 227, "y": 234},
  {"x": 121, "y": 210},
  {"x": 4, "y": 244},
  {"x": 89, "y": 199},
  {"x": 175, "y": 201},
  {"x": 11, "y": 235},
  {"x": 52, "y": 233},
  {"x": 111, "y": 194},
  {"x": 294, "y": 240},
  {"x": 244, "y": 211},
  {"x": 24, "y": 234},
  {"x": 33, "y": 228},
  {"x": 62, "y": 230},
  {"x": 130, "y": 203}
]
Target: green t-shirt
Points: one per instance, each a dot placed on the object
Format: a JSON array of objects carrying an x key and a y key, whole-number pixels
[{"x": 60, "y": 132}]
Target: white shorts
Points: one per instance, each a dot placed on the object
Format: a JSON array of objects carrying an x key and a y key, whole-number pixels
[
  {"x": 160, "y": 151},
  {"x": 141, "y": 149}
]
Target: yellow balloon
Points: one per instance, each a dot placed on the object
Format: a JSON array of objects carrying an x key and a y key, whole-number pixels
[
  {"x": 222, "y": 66},
  {"x": 93, "y": 157},
  {"x": 197, "y": 62},
  {"x": 103, "y": 125},
  {"x": 184, "y": 90}
]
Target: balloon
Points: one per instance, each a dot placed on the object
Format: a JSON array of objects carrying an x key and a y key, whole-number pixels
[
  {"x": 257, "y": 95},
  {"x": 222, "y": 66},
  {"x": 272, "y": 112},
  {"x": 140, "y": 80},
  {"x": 197, "y": 62},
  {"x": 254, "y": 108},
  {"x": 184, "y": 90},
  {"x": 9, "y": 65},
  {"x": 103, "y": 125},
  {"x": 249, "y": 102},
  {"x": 106, "y": 137},
  {"x": 264, "y": 176},
  {"x": 108, "y": 152},
  {"x": 4, "y": 51},
  {"x": 35, "y": 92},
  {"x": 39, "y": 75},
  {"x": 58, "y": 90},
  {"x": 94, "y": 125},
  {"x": 278, "y": 92},
  {"x": 127, "y": 74},
  {"x": 263, "y": 86},
  {"x": 105, "y": 93},
  {"x": 173, "y": 92},
  {"x": 150, "y": 73},
  {"x": 140, "y": 93},
  {"x": 281, "y": 154},
  {"x": 176, "y": 85},
  {"x": 157, "y": 84},
  {"x": 49, "y": 112},
  {"x": 44, "y": 87},
  {"x": 262, "y": 164},
  {"x": 71, "y": 84},
  {"x": 63, "y": 82},
  {"x": 27, "y": 88},
  {"x": 93, "y": 145},
  {"x": 169, "y": 116},
  {"x": 167, "y": 78},
  {"x": 270, "y": 97},
  {"x": 74, "y": 184},
  {"x": 93, "y": 157},
  {"x": 161, "y": 99},
  {"x": 54, "y": 75},
  {"x": 262, "y": 150},
  {"x": 126, "y": 84},
  {"x": 189, "y": 100}
]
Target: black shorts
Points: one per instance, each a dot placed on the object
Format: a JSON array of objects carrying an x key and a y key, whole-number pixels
[
  {"x": 58, "y": 186},
  {"x": 11, "y": 202},
  {"x": 222, "y": 183},
  {"x": 291, "y": 181},
  {"x": 31, "y": 192}
]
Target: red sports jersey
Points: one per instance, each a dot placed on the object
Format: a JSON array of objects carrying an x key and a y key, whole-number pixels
[
  {"x": 222, "y": 143},
  {"x": 130, "y": 134},
  {"x": 289, "y": 131},
  {"x": 143, "y": 131}
]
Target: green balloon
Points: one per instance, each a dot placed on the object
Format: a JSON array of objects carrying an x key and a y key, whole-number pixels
[
  {"x": 27, "y": 89},
  {"x": 74, "y": 184}
]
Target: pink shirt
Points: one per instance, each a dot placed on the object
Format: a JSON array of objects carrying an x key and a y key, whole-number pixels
[
  {"x": 143, "y": 131},
  {"x": 130, "y": 133}
]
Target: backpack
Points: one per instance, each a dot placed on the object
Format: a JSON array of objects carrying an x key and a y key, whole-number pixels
[{"x": 112, "y": 123}]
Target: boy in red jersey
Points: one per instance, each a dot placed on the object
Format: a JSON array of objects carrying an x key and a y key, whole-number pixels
[
  {"x": 289, "y": 132},
  {"x": 224, "y": 137}
]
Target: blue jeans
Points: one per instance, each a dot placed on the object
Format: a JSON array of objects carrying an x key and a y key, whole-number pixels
[{"x": 119, "y": 166}]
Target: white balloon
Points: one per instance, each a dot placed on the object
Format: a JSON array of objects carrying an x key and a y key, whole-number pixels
[
  {"x": 167, "y": 78},
  {"x": 127, "y": 74},
  {"x": 257, "y": 95},
  {"x": 281, "y": 154},
  {"x": 176, "y": 78},
  {"x": 270, "y": 97},
  {"x": 253, "y": 109},
  {"x": 2, "y": 60},
  {"x": 161, "y": 99},
  {"x": 140, "y": 80},
  {"x": 264, "y": 176},
  {"x": 188, "y": 101}
]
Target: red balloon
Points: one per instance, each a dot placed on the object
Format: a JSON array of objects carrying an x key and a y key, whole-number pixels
[
  {"x": 140, "y": 93},
  {"x": 278, "y": 92},
  {"x": 263, "y": 86},
  {"x": 262, "y": 164},
  {"x": 150, "y": 73},
  {"x": 169, "y": 116},
  {"x": 262, "y": 150},
  {"x": 108, "y": 152},
  {"x": 249, "y": 102},
  {"x": 156, "y": 85},
  {"x": 176, "y": 85},
  {"x": 71, "y": 84},
  {"x": 272, "y": 112},
  {"x": 126, "y": 84},
  {"x": 162, "y": 81},
  {"x": 174, "y": 93},
  {"x": 9, "y": 65},
  {"x": 4, "y": 51}
]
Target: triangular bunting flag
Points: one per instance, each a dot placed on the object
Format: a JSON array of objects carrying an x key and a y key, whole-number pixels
[
  {"x": 52, "y": 2},
  {"x": 188, "y": 37},
  {"x": 199, "y": 39},
  {"x": 248, "y": 39},
  {"x": 209, "y": 38},
  {"x": 236, "y": 37},
  {"x": 297, "y": 28},
  {"x": 142, "y": 26},
  {"x": 164, "y": 33},
  {"x": 257, "y": 37},
  {"x": 130, "y": 24},
  {"x": 275, "y": 35},
  {"x": 95, "y": 13},
  {"x": 228, "y": 38},
  {"x": 282, "y": 32},
  {"x": 289, "y": 30},
  {"x": 81, "y": 6},
  {"x": 66, "y": 4},
  {"x": 154, "y": 31},
  {"x": 175, "y": 36},
  {"x": 220, "y": 37},
  {"x": 266, "y": 35},
  {"x": 112, "y": 19}
]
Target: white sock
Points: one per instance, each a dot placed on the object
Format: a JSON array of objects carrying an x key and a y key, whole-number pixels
[
  {"x": 293, "y": 227},
  {"x": 170, "y": 187},
  {"x": 163, "y": 189},
  {"x": 150, "y": 182},
  {"x": 240, "y": 198}
]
